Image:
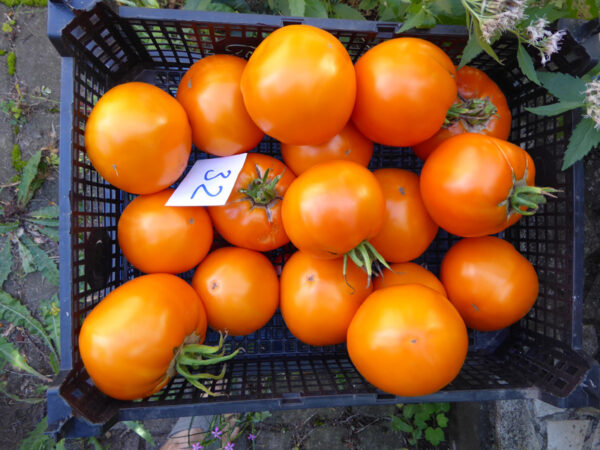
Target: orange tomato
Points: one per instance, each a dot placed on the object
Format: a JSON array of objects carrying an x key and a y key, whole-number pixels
[
  {"x": 472, "y": 84},
  {"x": 349, "y": 144},
  {"x": 469, "y": 184},
  {"x": 491, "y": 284},
  {"x": 251, "y": 218},
  {"x": 407, "y": 227},
  {"x": 317, "y": 303},
  {"x": 407, "y": 340},
  {"x": 138, "y": 138},
  {"x": 331, "y": 208},
  {"x": 158, "y": 238},
  {"x": 408, "y": 273},
  {"x": 127, "y": 342},
  {"x": 239, "y": 289},
  {"x": 211, "y": 96},
  {"x": 404, "y": 89},
  {"x": 299, "y": 85}
]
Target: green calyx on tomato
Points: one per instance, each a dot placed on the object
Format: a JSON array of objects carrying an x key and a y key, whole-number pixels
[
  {"x": 524, "y": 196},
  {"x": 473, "y": 113},
  {"x": 191, "y": 354},
  {"x": 261, "y": 191},
  {"x": 364, "y": 256}
]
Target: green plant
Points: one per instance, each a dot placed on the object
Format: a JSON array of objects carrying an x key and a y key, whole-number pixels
[{"x": 421, "y": 421}]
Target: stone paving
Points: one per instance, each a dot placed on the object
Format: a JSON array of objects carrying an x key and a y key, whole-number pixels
[{"x": 518, "y": 424}]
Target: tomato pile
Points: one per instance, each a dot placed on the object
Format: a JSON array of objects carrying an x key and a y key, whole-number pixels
[{"x": 356, "y": 231}]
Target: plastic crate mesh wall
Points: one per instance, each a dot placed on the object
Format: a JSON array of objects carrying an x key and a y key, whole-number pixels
[{"x": 109, "y": 50}]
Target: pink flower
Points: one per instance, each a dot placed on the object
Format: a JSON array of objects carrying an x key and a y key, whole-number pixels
[
  {"x": 216, "y": 433},
  {"x": 229, "y": 446},
  {"x": 196, "y": 446},
  {"x": 251, "y": 437}
]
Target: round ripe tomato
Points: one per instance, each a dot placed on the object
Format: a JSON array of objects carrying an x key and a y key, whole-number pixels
[
  {"x": 252, "y": 216},
  {"x": 404, "y": 89},
  {"x": 333, "y": 207},
  {"x": 239, "y": 289},
  {"x": 407, "y": 340},
  {"x": 210, "y": 94},
  {"x": 128, "y": 341},
  {"x": 158, "y": 238},
  {"x": 408, "y": 273},
  {"x": 349, "y": 144},
  {"x": 299, "y": 85},
  {"x": 489, "y": 282},
  {"x": 407, "y": 228},
  {"x": 138, "y": 138},
  {"x": 473, "y": 84},
  {"x": 475, "y": 185},
  {"x": 317, "y": 303}
]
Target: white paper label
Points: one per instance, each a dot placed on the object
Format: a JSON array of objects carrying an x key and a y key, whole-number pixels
[{"x": 209, "y": 182}]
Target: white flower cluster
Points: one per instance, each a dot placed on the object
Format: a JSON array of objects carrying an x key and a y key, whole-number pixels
[
  {"x": 500, "y": 15},
  {"x": 547, "y": 42},
  {"x": 592, "y": 94}
]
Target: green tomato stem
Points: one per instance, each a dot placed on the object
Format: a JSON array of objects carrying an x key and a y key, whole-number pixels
[
  {"x": 261, "y": 190},
  {"x": 530, "y": 197},
  {"x": 364, "y": 255},
  {"x": 196, "y": 355}
]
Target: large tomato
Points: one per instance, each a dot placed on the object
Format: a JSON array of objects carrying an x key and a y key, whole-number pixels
[
  {"x": 407, "y": 227},
  {"x": 332, "y": 208},
  {"x": 348, "y": 144},
  {"x": 210, "y": 94},
  {"x": 158, "y": 238},
  {"x": 475, "y": 185},
  {"x": 252, "y": 216},
  {"x": 491, "y": 284},
  {"x": 407, "y": 340},
  {"x": 131, "y": 339},
  {"x": 317, "y": 301},
  {"x": 138, "y": 138},
  {"x": 239, "y": 289},
  {"x": 408, "y": 273},
  {"x": 404, "y": 89},
  {"x": 299, "y": 85},
  {"x": 480, "y": 108}
]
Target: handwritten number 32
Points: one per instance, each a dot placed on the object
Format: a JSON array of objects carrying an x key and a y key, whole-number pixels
[{"x": 208, "y": 177}]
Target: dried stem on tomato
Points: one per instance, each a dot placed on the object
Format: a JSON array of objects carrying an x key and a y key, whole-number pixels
[
  {"x": 261, "y": 192},
  {"x": 473, "y": 113},
  {"x": 364, "y": 256}
]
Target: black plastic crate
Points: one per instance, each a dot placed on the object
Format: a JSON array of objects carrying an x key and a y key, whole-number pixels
[{"x": 539, "y": 357}]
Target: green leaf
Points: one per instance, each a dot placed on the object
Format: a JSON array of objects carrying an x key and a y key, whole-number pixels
[
  {"x": 368, "y": 5},
  {"x": 48, "y": 212},
  {"x": 526, "y": 64},
  {"x": 297, "y": 7},
  {"x": 434, "y": 435},
  {"x": 393, "y": 10},
  {"x": 584, "y": 138},
  {"x": 31, "y": 401},
  {"x": 52, "y": 233},
  {"x": 36, "y": 439},
  {"x": 8, "y": 227},
  {"x": 140, "y": 430},
  {"x": 409, "y": 410},
  {"x": 25, "y": 193},
  {"x": 5, "y": 261},
  {"x": 564, "y": 87},
  {"x": 41, "y": 260},
  {"x": 150, "y": 4},
  {"x": 12, "y": 310},
  {"x": 219, "y": 7},
  {"x": 343, "y": 11},
  {"x": 315, "y": 8},
  {"x": 15, "y": 359},
  {"x": 197, "y": 5},
  {"x": 550, "y": 12},
  {"x": 237, "y": 5},
  {"x": 421, "y": 419},
  {"x": 26, "y": 258},
  {"x": 471, "y": 51},
  {"x": 485, "y": 45},
  {"x": 448, "y": 12},
  {"x": 51, "y": 319},
  {"x": 554, "y": 108},
  {"x": 442, "y": 420},
  {"x": 43, "y": 222},
  {"x": 401, "y": 425},
  {"x": 428, "y": 408},
  {"x": 60, "y": 445},
  {"x": 418, "y": 17}
]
